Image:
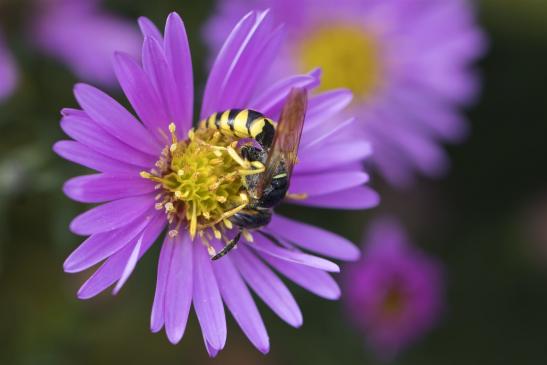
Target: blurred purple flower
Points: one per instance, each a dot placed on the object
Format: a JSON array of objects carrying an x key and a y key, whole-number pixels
[
  {"x": 109, "y": 139},
  {"x": 395, "y": 293},
  {"x": 79, "y": 34},
  {"x": 408, "y": 63},
  {"x": 8, "y": 71}
]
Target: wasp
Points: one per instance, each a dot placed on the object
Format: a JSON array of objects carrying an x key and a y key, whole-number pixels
[{"x": 277, "y": 150}]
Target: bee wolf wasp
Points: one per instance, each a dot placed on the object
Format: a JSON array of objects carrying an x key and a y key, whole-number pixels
[{"x": 277, "y": 152}]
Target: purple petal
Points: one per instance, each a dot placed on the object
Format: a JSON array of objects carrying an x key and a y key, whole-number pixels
[
  {"x": 8, "y": 71},
  {"x": 322, "y": 131},
  {"x": 316, "y": 281},
  {"x": 326, "y": 183},
  {"x": 255, "y": 61},
  {"x": 129, "y": 266},
  {"x": 313, "y": 238},
  {"x": 264, "y": 245},
  {"x": 210, "y": 350},
  {"x": 213, "y": 91},
  {"x": 115, "y": 119},
  {"x": 99, "y": 188},
  {"x": 112, "y": 269},
  {"x": 149, "y": 29},
  {"x": 90, "y": 134},
  {"x": 84, "y": 38},
  {"x": 241, "y": 304},
  {"x": 270, "y": 101},
  {"x": 359, "y": 197},
  {"x": 82, "y": 155},
  {"x": 331, "y": 156},
  {"x": 178, "y": 289},
  {"x": 323, "y": 106},
  {"x": 112, "y": 215},
  {"x": 207, "y": 301},
  {"x": 267, "y": 286},
  {"x": 102, "y": 245},
  {"x": 141, "y": 94},
  {"x": 157, "y": 317},
  {"x": 177, "y": 53}
]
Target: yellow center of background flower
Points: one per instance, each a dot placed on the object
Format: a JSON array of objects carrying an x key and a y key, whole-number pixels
[
  {"x": 348, "y": 55},
  {"x": 199, "y": 182}
]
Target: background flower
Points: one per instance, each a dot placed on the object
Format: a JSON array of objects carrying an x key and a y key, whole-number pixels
[
  {"x": 408, "y": 63},
  {"x": 107, "y": 138},
  {"x": 84, "y": 37},
  {"x": 395, "y": 293},
  {"x": 8, "y": 71}
]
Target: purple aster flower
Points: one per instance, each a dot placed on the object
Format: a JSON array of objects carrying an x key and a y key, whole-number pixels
[
  {"x": 395, "y": 293},
  {"x": 79, "y": 34},
  {"x": 157, "y": 174},
  {"x": 407, "y": 63},
  {"x": 8, "y": 71}
]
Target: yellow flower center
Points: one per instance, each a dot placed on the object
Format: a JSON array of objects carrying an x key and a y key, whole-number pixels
[
  {"x": 394, "y": 302},
  {"x": 201, "y": 182},
  {"x": 348, "y": 55}
]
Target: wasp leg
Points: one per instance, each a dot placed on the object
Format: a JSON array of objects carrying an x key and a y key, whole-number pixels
[{"x": 229, "y": 246}]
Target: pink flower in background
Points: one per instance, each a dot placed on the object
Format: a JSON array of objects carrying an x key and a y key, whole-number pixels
[
  {"x": 84, "y": 37},
  {"x": 407, "y": 62},
  {"x": 77, "y": 33},
  {"x": 8, "y": 71},
  {"x": 163, "y": 175},
  {"x": 394, "y": 295}
]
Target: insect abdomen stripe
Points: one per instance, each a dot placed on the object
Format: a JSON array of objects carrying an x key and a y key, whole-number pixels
[{"x": 243, "y": 124}]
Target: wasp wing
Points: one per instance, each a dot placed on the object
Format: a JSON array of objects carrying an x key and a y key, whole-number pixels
[{"x": 287, "y": 137}]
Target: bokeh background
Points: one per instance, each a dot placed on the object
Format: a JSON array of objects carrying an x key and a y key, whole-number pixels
[{"x": 486, "y": 221}]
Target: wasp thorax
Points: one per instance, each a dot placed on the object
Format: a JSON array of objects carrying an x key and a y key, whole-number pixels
[{"x": 201, "y": 182}]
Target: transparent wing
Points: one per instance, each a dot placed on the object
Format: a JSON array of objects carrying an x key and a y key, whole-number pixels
[{"x": 287, "y": 136}]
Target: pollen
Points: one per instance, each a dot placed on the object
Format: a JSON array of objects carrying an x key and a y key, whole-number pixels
[
  {"x": 348, "y": 55},
  {"x": 201, "y": 182}
]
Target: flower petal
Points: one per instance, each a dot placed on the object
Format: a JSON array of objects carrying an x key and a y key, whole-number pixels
[
  {"x": 267, "y": 286},
  {"x": 270, "y": 102},
  {"x": 149, "y": 29},
  {"x": 323, "y": 106},
  {"x": 313, "y": 238},
  {"x": 316, "y": 281},
  {"x": 129, "y": 266},
  {"x": 8, "y": 71},
  {"x": 82, "y": 129},
  {"x": 112, "y": 215},
  {"x": 331, "y": 156},
  {"x": 178, "y": 290},
  {"x": 82, "y": 155},
  {"x": 359, "y": 197},
  {"x": 326, "y": 182},
  {"x": 112, "y": 269},
  {"x": 264, "y": 245},
  {"x": 241, "y": 304},
  {"x": 115, "y": 119},
  {"x": 177, "y": 53},
  {"x": 99, "y": 246},
  {"x": 141, "y": 94},
  {"x": 99, "y": 188},
  {"x": 207, "y": 301},
  {"x": 323, "y": 131}
]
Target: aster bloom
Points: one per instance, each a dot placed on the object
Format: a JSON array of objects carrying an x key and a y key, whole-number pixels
[
  {"x": 162, "y": 175},
  {"x": 395, "y": 293},
  {"x": 79, "y": 34},
  {"x": 8, "y": 71},
  {"x": 407, "y": 63}
]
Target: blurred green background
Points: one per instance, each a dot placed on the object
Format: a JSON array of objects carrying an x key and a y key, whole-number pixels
[{"x": 487, "y": 221}]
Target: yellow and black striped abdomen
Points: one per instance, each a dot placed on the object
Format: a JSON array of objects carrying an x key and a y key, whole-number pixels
[{"x": 244, "y": 123}]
